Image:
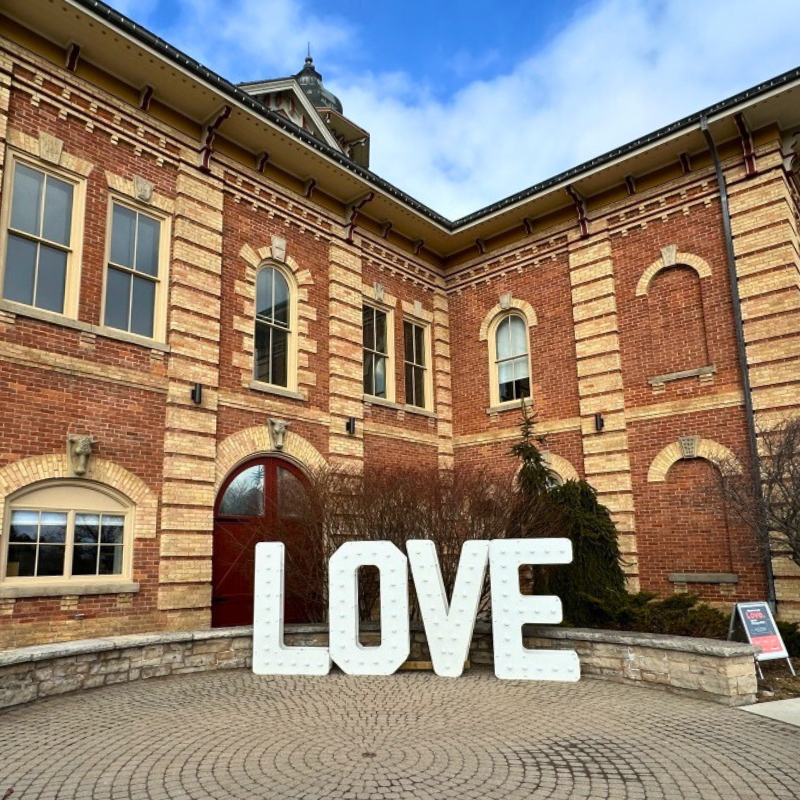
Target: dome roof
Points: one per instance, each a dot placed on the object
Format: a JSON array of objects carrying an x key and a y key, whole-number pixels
[{"x": 311, "y": 83}]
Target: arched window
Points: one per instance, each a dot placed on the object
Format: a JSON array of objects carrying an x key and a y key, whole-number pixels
[
  {"x": 511, "y": 362},
  {"x": 66, "y": 530},
  {"x": 273, "y": 328}
]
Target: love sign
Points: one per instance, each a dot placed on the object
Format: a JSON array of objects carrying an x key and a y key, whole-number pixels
[{"x": 448, "y": 625}]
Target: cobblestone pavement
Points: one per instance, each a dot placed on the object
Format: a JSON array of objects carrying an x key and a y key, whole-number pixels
[{"x": 229, "y": 735}]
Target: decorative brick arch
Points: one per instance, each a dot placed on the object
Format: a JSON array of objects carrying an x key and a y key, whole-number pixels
[
  {"x": 510, "y": 305},
  {"x": 670, "y": 257},
  {"x": 29, "y": 471},
  {"x": 561, "y": 466},
  {"x": 255, "y": 257},
  {"x": 257, "y": 441},
  {"x": 689, "y": 447}
]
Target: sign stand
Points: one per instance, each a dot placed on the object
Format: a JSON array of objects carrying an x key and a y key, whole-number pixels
[{"x": 761, "y": 631}]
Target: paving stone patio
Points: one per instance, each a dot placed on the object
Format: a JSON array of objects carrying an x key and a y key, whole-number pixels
[{"x": 231, "y": 734}]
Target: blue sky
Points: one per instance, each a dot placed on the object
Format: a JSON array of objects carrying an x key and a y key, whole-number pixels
[{"x": 468, "y": 102}]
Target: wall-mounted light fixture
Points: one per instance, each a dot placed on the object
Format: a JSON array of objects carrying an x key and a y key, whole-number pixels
[
  {"x": 197, "y": 394},
  {"x": 599, "y": 422},
  {"x": 350, "y": 425}
]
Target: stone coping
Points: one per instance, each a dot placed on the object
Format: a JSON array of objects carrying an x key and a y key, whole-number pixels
[{"x": 683, "y": 644}]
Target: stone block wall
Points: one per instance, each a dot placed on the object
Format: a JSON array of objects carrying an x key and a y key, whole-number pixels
[{"x": 721, "y": 672}]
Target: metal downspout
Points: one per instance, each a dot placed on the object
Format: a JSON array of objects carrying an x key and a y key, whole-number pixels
[{"x": 752, "y": 440}]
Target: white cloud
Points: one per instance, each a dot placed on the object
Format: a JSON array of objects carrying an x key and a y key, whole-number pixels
[{"x": 618, "y": 69}]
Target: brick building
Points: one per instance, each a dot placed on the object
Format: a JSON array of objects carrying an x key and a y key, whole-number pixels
[{"x": 205, "y": 290}]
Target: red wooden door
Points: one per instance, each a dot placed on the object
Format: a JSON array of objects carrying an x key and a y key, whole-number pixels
[{"x": 260, "y": 502}]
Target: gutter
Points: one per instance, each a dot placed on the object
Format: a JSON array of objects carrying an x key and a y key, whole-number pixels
[{"x": 752, "y": 437}]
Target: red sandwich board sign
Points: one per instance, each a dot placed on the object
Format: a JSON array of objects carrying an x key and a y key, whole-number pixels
[{"x": 761, "y": 631}]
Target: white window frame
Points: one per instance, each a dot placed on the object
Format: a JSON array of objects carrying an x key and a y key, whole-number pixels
[
  {"x": 292, "y": 330},
  {"x": 428, "y": 348},
  {"x": 162, "y": 280},
  {"x": 58, "y": 502},
  {"x": 72, "y": 280},
  {"x": 494, "y": 377},
  {"x": 390, "y": 344}
]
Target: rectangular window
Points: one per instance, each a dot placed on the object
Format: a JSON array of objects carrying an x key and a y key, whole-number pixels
[
  {"x": 376, "y": 351},
  {"x": 414, "y": 344},
  {"x": 133, "y": 279},
  {"x": 60, "y": 544},
  {"x": 39, "y": 242}
]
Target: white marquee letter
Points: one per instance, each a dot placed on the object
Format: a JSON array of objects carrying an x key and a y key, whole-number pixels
[
  {"x": 511, "y": 610},
  {"x": 270, "y": 655},
  {"x": 346, "y": 650},
  {"x": 448, "y": 630}
]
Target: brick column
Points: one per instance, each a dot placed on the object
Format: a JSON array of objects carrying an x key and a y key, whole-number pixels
[
  {"x": 346, "y": 370},
  {"x": 442, "y": 383},
  {"x": 605, "y": 455},
  {"x": 190, "y": 439},
  {"x": 767, "y": 248}
]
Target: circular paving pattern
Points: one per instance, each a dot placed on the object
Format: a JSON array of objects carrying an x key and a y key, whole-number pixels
[{"x": 226, "y": 735}]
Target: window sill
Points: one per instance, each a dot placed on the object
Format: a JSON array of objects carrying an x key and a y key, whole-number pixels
[
  {"x": 703, "y": 577},
  {"x": 67, "y": 589},
  {"x": 511, "y": 405},
  {"x": 268, "y": 388},
  {"x": 687, "y": 373},
  {"x": 20, "y": 309},
  {"x": 369, "y": 400}
]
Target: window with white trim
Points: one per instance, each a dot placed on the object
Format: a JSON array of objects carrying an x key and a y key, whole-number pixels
[
  {"x": 415, "y": 353},
  {"x": 377, "y": 363},
  {"x": 134, "y": 278},
  {"x": 66, "y": 531},
  {"x": 273, "y": 345},
  {"x": 40, "y": 239},
  {"x": 512, "y": 366}
]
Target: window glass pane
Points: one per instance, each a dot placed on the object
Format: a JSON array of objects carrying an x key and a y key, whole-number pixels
[
  {"x": 53, "y": 527},
  {"x": 419, "y": 345},
  {"x": 522, "y": 388},
  {"x": 380, "y": 332},
  {"x": 291, "y": 494},
  {"x": 52, "y": 279},
  {"x": 113, "y": 528},
  {"x": 380, "y": 376},
  {"x": 20, "y": 270},
  {"x": 519, "y": 339},
  {"x": 244, "y": 497},
  {"x": 264, "y": 293},
  {"x": 369, "y": 374},
  {"x": 419, "y": 387},
  {"x": 84, "y": 559},
  {"x": 51, "y": 559},
  {"x": 368, "y": 323},
  {"x": 505, "y": 379},
  {"x": 26, "y": 203},
  {"x": 143, "y": 306},
  {"x": 24, "y": 526},
  {"x": 118, "y": 298},
  {"x": 147, "y": 245},
  {"x": 280, "y": 342},
  {"x": 281, "y": 307},
  {"x": 503, "y": 339},
  {"x": 262, "y": 352},
  {"x": 57, "y": 211},
  {"x": 520, "y": 367},
  {"x": 87, "y": 528},
  {"x": 408, "y": 341},
  {"x": 123, "y": 233},
  {"x": 410, "y": 384},
  {"x": 110, "y": 560},
  {"x": 21, "y": 561}
]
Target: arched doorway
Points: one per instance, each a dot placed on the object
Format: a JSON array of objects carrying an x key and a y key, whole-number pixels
[{"x": 261, "y": 501}]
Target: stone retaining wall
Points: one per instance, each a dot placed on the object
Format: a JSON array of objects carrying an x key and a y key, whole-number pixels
[{"x": 705, "y": 668}]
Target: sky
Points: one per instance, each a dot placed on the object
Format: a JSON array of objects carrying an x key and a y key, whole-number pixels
[{"x": 468, "y": 102}]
